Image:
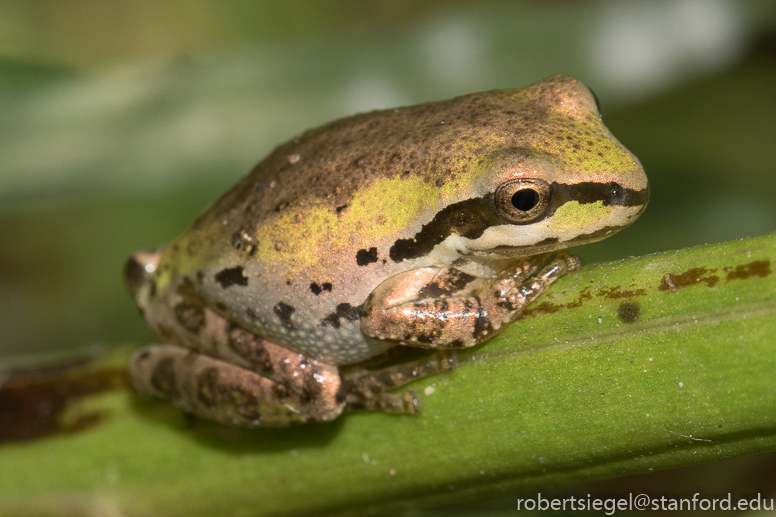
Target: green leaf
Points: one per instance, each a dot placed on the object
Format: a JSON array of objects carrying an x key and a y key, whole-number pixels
[{"x": 642, "y": 364}]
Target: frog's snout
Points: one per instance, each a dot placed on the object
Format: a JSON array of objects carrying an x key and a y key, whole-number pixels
[{"x": 139, "y": 268}]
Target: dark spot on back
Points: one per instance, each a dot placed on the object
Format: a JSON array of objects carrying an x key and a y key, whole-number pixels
[
  {"x": 468, "y": 218},
  {"x": 191, "y": 316},
  {"x": 344, "y": 310},
  {"x": 284, "y": 312},
  {"x": 232, "y": 276},
  {"x": 318, "y": 289},
  {"x": 340, "y": 208},
  {"x": 629, "y": 312},
  {"x": 366, "y": 257}
]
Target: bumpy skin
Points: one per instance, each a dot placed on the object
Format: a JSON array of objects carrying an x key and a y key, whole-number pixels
[{"x": 377, "y": 230}]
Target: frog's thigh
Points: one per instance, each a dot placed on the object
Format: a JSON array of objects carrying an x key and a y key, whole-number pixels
[{"x": 216, "y": 390}]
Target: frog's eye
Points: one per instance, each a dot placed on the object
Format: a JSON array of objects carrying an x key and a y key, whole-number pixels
[{"x": 522, "y": 201}]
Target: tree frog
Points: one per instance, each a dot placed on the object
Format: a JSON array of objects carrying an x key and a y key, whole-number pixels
[{"x": 427, "y": 226}]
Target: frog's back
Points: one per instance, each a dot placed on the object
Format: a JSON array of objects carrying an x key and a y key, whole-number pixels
[{"x": 295, "y": 248}]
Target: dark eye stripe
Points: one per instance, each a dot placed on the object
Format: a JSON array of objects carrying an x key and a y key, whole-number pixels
[
  {"x": 611, "y": 194},
  {"x": 469, "y": 218}
]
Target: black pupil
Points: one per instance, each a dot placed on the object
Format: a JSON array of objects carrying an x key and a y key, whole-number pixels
[{"x": 525, "y": 199}]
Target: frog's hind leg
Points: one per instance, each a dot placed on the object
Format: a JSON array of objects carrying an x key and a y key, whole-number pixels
[
  {"x": 223, "y": 372},
  {"x": 220, "y": 391},
  {"x": 365, "y": 389}
]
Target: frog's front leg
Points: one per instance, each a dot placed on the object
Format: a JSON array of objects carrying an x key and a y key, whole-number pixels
[{"x": 446, "y": 308}]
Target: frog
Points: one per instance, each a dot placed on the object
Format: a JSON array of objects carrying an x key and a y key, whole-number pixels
[{"x": 293, "y": 298}]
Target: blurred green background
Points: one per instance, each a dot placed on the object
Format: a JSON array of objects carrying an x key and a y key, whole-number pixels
[{"x": 120, "y": 121}]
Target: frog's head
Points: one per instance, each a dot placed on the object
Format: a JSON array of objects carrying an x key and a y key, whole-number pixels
[{"x": 568, "y": 182}]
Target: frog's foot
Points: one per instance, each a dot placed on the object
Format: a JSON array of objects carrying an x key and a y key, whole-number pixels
[
  {"x": 510, "y": 295},
  {"x": 366, "y": 389},
  {"x": 445, "y": 308},
  {"x": 221, "y": 391}
]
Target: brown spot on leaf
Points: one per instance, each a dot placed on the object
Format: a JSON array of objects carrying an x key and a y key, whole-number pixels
[
  {"x": 760, "y": 268},
  {"x": 550, "y": 308},
  {"x": 32, "y": 402},
  {"x": 629, "y": 312},
  {"x": 672, "y": 282},
  {"x": 616, "y": 292}
]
